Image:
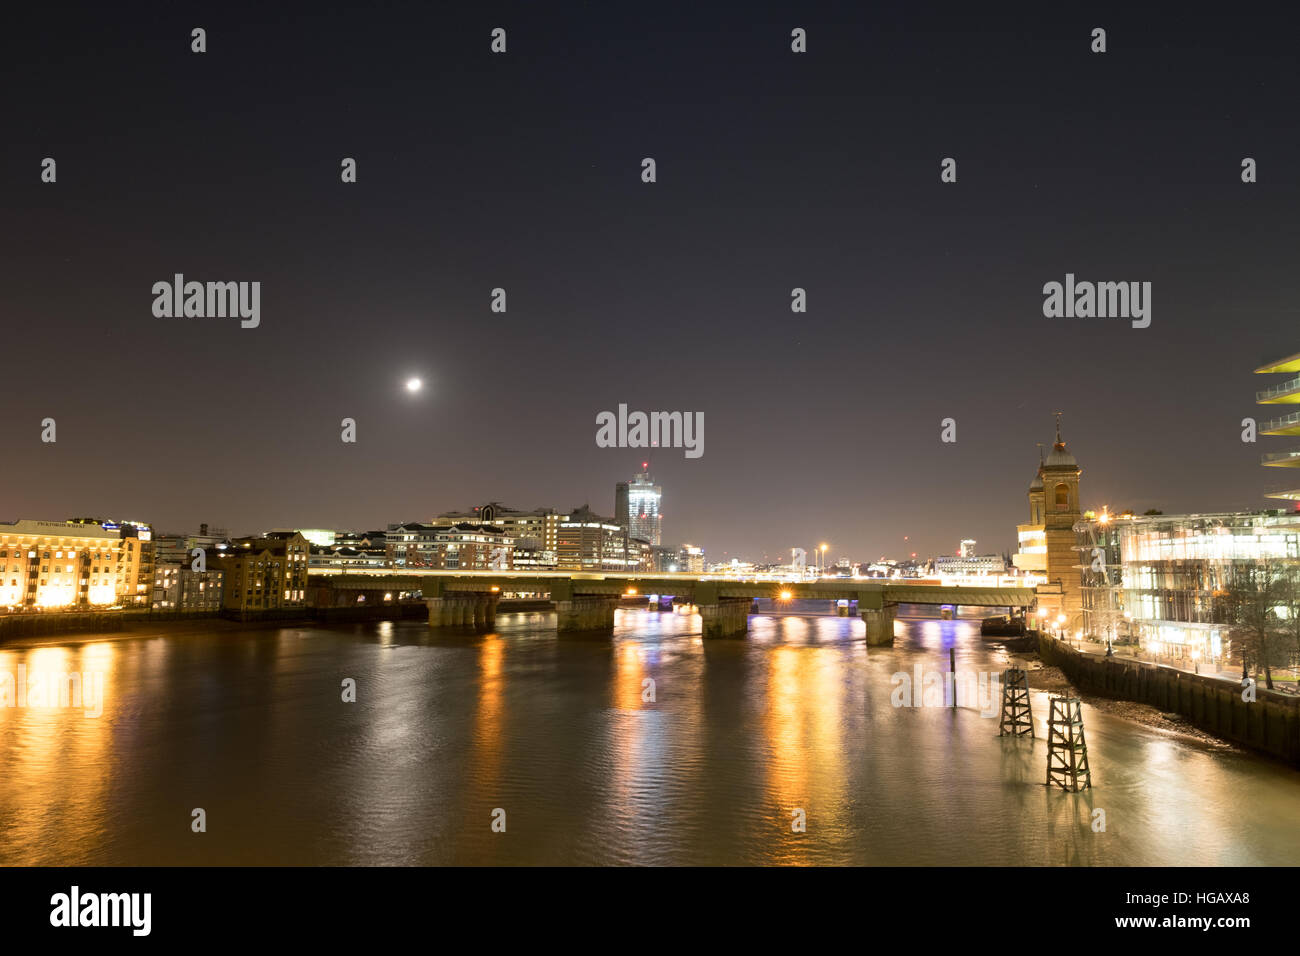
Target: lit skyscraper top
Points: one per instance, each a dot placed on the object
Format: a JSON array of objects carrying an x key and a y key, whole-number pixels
[{"x": 636, "y": 506}]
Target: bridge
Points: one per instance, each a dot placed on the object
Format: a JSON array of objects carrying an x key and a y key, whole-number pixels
[{"x": 585, "y": 602}]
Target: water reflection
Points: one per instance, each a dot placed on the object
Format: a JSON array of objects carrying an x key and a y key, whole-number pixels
[{"x": 589, "y": 761}]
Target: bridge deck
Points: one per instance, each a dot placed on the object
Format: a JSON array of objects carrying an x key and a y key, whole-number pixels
[{"x": 869, "y": 593}]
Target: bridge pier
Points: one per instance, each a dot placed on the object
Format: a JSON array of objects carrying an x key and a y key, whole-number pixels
[
  {"x": 880, "y": 624},
  {"x": 727, "y": 618},
  {"x": 463, "y": 610},
  {"x": 585, "y": 613}
]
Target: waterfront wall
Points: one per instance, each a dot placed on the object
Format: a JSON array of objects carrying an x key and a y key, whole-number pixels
[
  {"x": 1269, "y": 724},
  {"x": 71, "y": 622}
]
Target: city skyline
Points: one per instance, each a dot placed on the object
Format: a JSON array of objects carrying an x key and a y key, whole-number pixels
[
  {"x": 822, "y": 426},
  {"x": 983, "y": 526}
]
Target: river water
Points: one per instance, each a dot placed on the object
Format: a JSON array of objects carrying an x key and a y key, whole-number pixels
[{"x": 741, "y": 736}]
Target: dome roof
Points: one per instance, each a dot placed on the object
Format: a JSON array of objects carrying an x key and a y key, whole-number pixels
[
  {"x": 1037, "y": 483},
  {"x": 1060, "y": 458}
]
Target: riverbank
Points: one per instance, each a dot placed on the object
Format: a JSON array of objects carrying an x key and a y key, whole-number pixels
[
  {"x": 1197, "y": 706},
  {"x": 1047, "y": 678}
]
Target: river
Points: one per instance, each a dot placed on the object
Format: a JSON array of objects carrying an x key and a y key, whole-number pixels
[{"x": 741, "y": 737}]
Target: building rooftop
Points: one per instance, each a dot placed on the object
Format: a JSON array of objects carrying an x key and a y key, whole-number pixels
[{"x": 1060, "y": 458}]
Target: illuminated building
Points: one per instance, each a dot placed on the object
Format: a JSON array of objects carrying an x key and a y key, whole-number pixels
[
  {"x": 66, "y": 565},
  {"x": 1048, "y": 543},
  {"x": 321, "y": 537},
  {"x": 536, "y": 559},
  {"x": 475, "y": 547},
  {"x": 1163, "y": 574},
  {"x": 177, "y": 584},
  {"x": 536, "y": 530},
  {"x": 345, "y": 558},
  {"x": 361, "y": 540},
  {"x": 640, "y": 555},
  {"x": 140, "y": 548},
  {"x": 462, "y": 546},
  {"x": 264, "y": 573},
  {"x": 1282, "y": 393},
  {"x": 690, "y": 560},
  {"x": 636, "y": 507},
  {"x": 412, "y": 545},
  {"x": 663, "y": 557},
  {"x": 969, "y": 565},
  {"x": 1101, "y": 575},
  {"x": 178, "y": 587},
  {"x": 589, "y": 542},
  {"x": 967, "y": 549},
  {"x": 1031, "y": 559},
  {"x": 543, "y": 538}
]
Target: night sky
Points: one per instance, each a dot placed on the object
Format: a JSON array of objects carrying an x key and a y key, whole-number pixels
[{"x": 523, "y": 171}]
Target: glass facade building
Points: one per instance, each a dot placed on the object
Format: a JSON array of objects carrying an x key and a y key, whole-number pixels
[
  {"x": 643, "y": 498},
  {"x": 1159, "y": 578}
]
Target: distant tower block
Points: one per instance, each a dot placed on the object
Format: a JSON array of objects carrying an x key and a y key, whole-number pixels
[
  {"x": 1067, "y": 751},
  {"x": 1017, "y": 715}
]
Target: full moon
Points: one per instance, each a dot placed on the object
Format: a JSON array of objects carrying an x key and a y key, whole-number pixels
[{"x": 414, "y": 384}]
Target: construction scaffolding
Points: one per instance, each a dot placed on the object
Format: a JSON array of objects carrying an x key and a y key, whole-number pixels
[
  {"x": 1017, "y": 714},
  {"x": 1067, "y": 751},
  {"x": 1101, "y": 579}
]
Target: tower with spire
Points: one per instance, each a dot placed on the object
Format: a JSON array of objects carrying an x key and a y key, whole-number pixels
[
  {"x": 1036, "y": 500},
  {"x": 1060, "y": 474}
]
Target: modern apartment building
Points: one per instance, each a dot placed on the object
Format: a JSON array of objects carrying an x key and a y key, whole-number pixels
[{"x": 1284, "y": 394}]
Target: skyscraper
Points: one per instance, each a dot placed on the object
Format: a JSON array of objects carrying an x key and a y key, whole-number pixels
[{"x": 636, "y": 506}]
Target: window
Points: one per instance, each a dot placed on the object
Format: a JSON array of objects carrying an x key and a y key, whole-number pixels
[{"x": 1062, "y": 495}]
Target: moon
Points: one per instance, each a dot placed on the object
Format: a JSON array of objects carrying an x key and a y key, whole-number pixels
[{"x": 413, "y": 385}]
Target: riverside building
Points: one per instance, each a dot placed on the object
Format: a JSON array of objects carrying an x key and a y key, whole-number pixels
[
  {"x": 1157, "y": 579},
  {"x": 61, "y": 565},
  {"x": 1047, "y": 557},
  {"x": 264, "y": 573}
]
